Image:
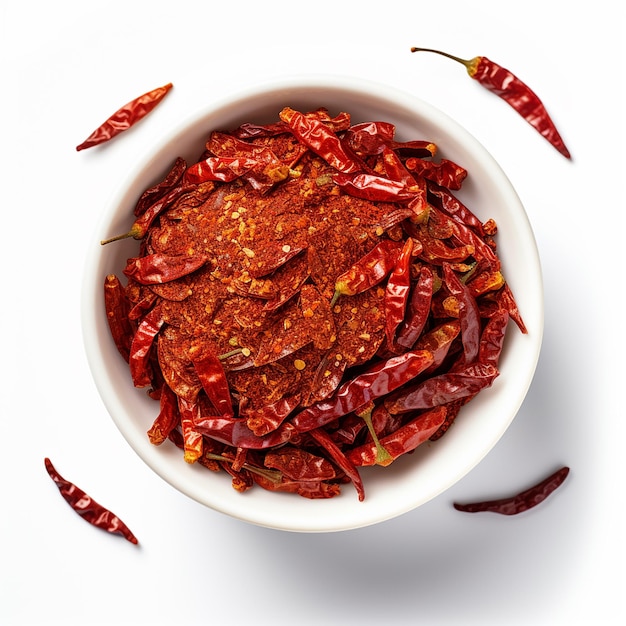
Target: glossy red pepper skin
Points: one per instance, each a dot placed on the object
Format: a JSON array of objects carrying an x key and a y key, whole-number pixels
[
  {"x": 445, "y": 173},
  {"x": 403, "y": 440},
  {"x": 512, "y": 90},
  {"x": 469, "y": 315},
  {"x": 157, "y": 268},
  {"x": 141, "y": 347},
  {"x": 117, "y": 311},
  {"x": 370, "y": 270},
  {"x": 521, "y": 502},
  {"x": 343, "y": 462},
  {"x": 193, "y": 444},
  {"x": 155, "y": 193},
  {"x": 378, "y": 381},
  {"x": 142, "y": 224},
  {"x": 87, "y": 507},
  {"x": 372, "y": 187},
  {"x": 418, "y": 310},
  {"x": 167, "y": 419},
  {"x": 322, "y": 140},
  {"x": 397, "y": 291},
  {"x": 518, "y": 95},
  {"x": 444, "y": 388},
  {"x": 125, "y": 117},
  {"x": 213, "y": 379}
]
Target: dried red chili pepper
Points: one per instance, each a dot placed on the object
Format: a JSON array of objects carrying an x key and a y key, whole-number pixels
[
  {"x": 213, "y": 378},
  {"x": 373, "y": 187},
  {"x": 117, "y": 311},
  {"x": 511, "y": 89},
  {"x": 192, "y": 439},
  {"x": 140, "y": 349},
  {"x": 452, "y": 206},
  {"x": 403, "y": 440},
  {"x": 324, "y": 439},
  {"x": 369, "y": 271},
  {"x": 167, "y": 419},
  {"x": 125, "y": 117},
  {"x": 153, "y": 194},
  {"x": 299, "y": 464},
  {"x": 314, "y": 134},
  {"x": 87, "y": 507},
  {"x": 469, "y": 315},
  {"x": 443, "y": 388},
  {"x": 157, "y": 268},
  {"x": 521, "y": 502},
  {"x": 445, "y": 173},
  {"x": 418, "y": 310},
  {"x": 268, "y": 418},
  {"x": 379, "y": 380},
  {"x": 397, "y": 291},
  {"x": 141, "y": 225}
]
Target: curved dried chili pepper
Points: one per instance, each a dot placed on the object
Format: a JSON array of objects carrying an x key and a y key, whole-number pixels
[
  {"x": 213, "y": 378},
  {"x": 125, "y": 117},
  {"x": 234, "y": 431},
  {"x": 299, "y": 464},
  {"x": 142, "y": 224},
  {"x": 469, "y": 315},
  {"x": 444, "y": 388},
  {"x": 192, "y": 440},
  {"x": 418, "y": 309},
  {"x": 324, "y": 439},
  {"x": 373, "y": 187},
  {"x": 445, "y": 173},
  {"x": 156, "y": 192},
  {"x": 167, "y": 419},
  {"x": 139, "y": 359},
  {"x": 511, "y": 89},
  {"x": 268, "y": 418},
  {"x": 157, "y": 268},
  {"x": 368, "y": 271},
  {"x": 87, "y": 507},
  {"x": 492, "y": 338},
  {"x": 397, "y": 291},
  {"x": 453, "y": 207},
  {"x": 521, "y": 502},
  {"x": 316, "y": 136},
  {"x": 379, "y": 380},
  {"x": 117, "y": 311}
]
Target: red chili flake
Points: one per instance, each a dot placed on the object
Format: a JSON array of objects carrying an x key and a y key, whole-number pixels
[{"x": 87, "y": 507}]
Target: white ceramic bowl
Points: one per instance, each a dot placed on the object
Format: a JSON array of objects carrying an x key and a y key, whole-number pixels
[{"x": 412, "y": 480}]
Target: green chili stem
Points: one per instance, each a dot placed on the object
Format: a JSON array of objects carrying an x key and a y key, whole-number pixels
[
  {"x": 272, "y": 475},
  {"x": 382, "y": 456}
]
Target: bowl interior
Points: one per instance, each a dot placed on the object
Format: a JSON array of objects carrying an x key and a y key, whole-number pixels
[{"x": 412, "y": 480}]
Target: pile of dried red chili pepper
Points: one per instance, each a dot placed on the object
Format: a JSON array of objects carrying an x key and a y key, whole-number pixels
[{"x": 309, "y": 297}]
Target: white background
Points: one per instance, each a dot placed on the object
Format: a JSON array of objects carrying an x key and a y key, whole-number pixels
[{"x": 65, "y": 66}]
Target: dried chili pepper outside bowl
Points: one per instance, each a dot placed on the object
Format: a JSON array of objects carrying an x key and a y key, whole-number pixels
[{"x": 413, "y": 479}]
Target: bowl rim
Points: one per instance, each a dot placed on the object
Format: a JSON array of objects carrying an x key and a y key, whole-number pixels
[{"x": 153, "y": 456}]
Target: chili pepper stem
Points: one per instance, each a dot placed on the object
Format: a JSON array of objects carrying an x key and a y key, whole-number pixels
[
  {"x": 335, "y": 297},
  {"x": 470, "y": 64},
  {"x": 227, "y": 355},
  {"x": 382, "y": 456},
  {"x": 133, "y": 232},
  {"x": 272, "y": 475}
]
